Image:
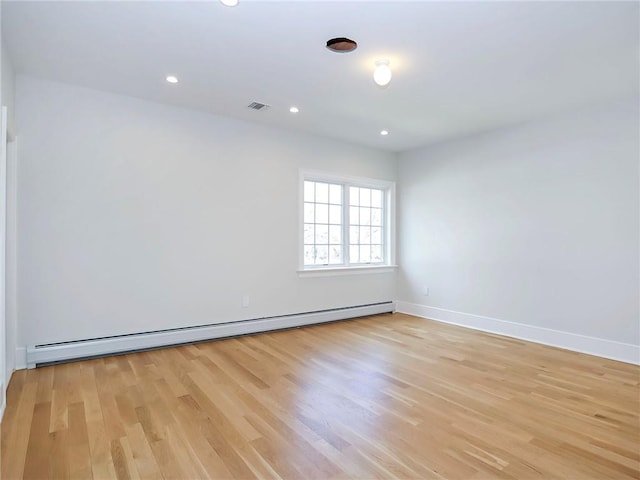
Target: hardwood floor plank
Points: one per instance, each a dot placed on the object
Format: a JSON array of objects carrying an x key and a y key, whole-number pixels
[
  {"x": 21, "y": 397},
  {"x": 38, "y": 464},
  {"x": 59, "y": 455},
  {"x": 78, "y": 441},
  {"x": 188, "y": 436},
  {"x": 120, "y": 460},
  {"x": 59, "y": 411},
  {"x": 145, "y": 462},
  {"x": 100, "y": 449}
]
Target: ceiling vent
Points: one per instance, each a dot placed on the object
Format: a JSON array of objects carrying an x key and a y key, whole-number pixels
[{"x": 258, "y": 106}]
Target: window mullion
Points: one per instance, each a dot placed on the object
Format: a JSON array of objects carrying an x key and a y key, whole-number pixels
[
  {"x": 385, "y": 221},
  {"x": 345, "y": 221}
]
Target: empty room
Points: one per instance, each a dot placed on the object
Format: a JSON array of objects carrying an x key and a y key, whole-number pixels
[{"x": 311, "y": 239}]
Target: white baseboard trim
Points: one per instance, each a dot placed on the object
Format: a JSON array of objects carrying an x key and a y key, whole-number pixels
[
  {"x": 623, "y": 352},
  {"x": 43, "y": 354}
]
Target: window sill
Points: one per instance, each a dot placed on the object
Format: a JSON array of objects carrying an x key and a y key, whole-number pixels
[{"x": 335, "y": 271}]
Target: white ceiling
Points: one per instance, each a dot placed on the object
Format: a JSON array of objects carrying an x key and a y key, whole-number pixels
[{"x": 459, "y": 67}]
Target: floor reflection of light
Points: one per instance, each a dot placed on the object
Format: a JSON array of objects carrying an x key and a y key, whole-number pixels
[{"x": 344, "y": 392}]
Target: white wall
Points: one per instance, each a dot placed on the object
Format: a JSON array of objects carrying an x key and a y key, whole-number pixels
[
  {"x": 11, "y": 311},
  {"x": 4, "y": 378},
  {"x": 8, "y": 100},
  {"x": 8, "y": 86},
  {"x": 536, "y": 224},
  {"x": 136, "y": 216},
  {"x": 7, "y": 221}
]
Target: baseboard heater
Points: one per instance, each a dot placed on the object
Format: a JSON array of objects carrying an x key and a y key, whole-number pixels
[{"x": 40, "y": 355}]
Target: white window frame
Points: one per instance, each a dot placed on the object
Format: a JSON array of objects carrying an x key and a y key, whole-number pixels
[{"x": 389, "y": 189}]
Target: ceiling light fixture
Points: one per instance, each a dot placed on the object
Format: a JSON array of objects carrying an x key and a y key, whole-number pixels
[
  {"x": 229, "y": 3},
  {"x": 294, "y": 109},
  {"x": 172, "y": 79},
  {"x": 384, "y": 132},
  {"x": 341, "y": 45},
  {"x": 382, "y": 73}
]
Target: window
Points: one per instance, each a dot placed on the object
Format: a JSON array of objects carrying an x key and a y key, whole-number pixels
[
  {"x": 323, "y": 223},
  {"x": 366, "y": 226},
  {"x": 346, "y": 223}
]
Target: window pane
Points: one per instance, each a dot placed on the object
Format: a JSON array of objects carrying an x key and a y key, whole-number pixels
[
  {"x": 322, "y": 254},
  {"x": 365, "y": 234},
  {"x": 365, "y": 197},
  {"x": 354, "y": 235},
  {"x": 335, "y": 214},
  {"x": 376, "y": 216},
  {"x": 376, "y": 198},
  {"x": 376, "y": 253},
  {"x": 309, "y": 217},
  {"x": 309, "y": 191},
  {"x": 354, "y": 215},
  {"x": 308, "y": 254},
  {"x": 335, "y": 194},
  {"x": 365, "y": 253},
  {"x": 309, "y": 236},
  {"x": 354, "y": 254},
  {"x": 376, "y": 235},
  {"x": 322, "y": 192},
  {"x": 365, "y": 216},
  {"x": 335, "y": 234},
  {"x": 335, "y": 254},
  {"x": 322, "y": 234},
  {"x": 322, "y": 213},
  {"x": 354, "y": 196}
]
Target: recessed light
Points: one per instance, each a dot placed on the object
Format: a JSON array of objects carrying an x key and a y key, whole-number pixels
[
  {"x": 172, "y": 79},
  {"x": 384, "y": 132},
  {"x": 294, "y": 109},
  {"x": 229, "y": 3}
]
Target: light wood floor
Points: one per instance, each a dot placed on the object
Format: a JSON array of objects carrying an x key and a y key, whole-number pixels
[{"x": 390, "y": 396}]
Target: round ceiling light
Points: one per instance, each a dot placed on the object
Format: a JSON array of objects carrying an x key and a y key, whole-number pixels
[
  {"x": 382, "y": 73},
  {"x": 341, "y": 45},
  {"x": 229, "y": 3},
  {"x": 172, "y": 79}
]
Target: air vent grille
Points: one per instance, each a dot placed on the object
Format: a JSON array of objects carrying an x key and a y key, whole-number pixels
[{"x": 258, "y": 106}]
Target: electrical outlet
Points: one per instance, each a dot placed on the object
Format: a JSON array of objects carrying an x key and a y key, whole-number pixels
[
  {"x": 244, "y": 302},
  {"x": 425, "y": 291}
]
